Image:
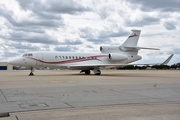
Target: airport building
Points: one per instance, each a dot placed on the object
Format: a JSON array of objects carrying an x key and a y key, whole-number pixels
[{"x": 5, "y": 66}]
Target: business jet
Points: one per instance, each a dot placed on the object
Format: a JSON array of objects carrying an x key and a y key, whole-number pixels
[{"x": 109, "y": 56}]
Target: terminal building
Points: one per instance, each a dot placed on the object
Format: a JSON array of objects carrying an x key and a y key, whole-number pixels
[{"x": 5, "y": 66}]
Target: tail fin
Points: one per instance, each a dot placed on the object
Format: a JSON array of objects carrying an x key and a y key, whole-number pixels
[{"x": 132, "y": 40}]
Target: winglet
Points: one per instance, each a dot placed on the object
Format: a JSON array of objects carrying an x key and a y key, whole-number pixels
[{"x": 167, "y": 60}]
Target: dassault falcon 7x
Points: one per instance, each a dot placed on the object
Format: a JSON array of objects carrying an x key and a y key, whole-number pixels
[{"x": 109, "y": 56}]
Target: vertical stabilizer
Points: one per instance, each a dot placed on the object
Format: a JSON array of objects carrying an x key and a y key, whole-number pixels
[{"x": 132, "y": 40}]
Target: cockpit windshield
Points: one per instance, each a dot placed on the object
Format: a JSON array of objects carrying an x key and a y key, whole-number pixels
[
  {"x": 24, "y": 55},
  {"x": 29, "y": 55}
]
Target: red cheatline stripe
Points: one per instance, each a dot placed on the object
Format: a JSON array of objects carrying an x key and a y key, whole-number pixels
[
  {"x": 132, "y": 36},
  {"x": 70, "y": 61}
]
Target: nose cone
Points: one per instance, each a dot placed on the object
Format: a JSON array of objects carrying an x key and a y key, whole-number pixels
[{"x": 15, "y": 61}]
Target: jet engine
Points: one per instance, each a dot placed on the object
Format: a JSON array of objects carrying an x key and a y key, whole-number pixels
[
  {"x": 108, "y": 49},
  {"x": 117, "y": 57}
]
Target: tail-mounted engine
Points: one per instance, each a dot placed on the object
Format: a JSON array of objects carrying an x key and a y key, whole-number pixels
[
  {"x": 117, "y": 57},
  {"x": 109, "y": 49}
]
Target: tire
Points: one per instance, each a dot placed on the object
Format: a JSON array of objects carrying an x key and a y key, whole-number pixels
[{"x": 87, "y": 72}]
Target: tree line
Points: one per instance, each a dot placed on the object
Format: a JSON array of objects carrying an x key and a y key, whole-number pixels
[{"x": 159, "y": 67}]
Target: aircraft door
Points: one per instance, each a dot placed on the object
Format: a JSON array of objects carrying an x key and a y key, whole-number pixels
[{"x": 39, "y": 58}]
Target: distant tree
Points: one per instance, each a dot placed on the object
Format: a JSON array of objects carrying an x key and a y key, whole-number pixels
[
  {"x": 159, "y": 67},
  {"x": 174, "y": 66}
]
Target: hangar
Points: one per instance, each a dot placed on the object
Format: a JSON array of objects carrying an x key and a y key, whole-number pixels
[{"x": 5, "y": 66}]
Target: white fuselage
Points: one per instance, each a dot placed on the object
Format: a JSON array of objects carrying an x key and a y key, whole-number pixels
[{"x": 57, "y": 59}]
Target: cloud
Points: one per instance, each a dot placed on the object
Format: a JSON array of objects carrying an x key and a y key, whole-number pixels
[
  {"x": 93, "y": 35},
  {"x": 33, "y": 21},
  {"x": 30, "y": 38},
  {"x": 25, "y": 46},
  {"x": 105, "y": 12},
  {"x": 113, "y": 32},
  {"x": 53, "y": 6},
  {"x": 65, "y": 48},
  {"x": 157, "y": 5},
  {"x": 87, "y": 32},
  {"x": 175, "y": 51},
  {"x": 146, "y": 20},
  {"x": 71, "y": 42},
  {"x": 101, "y": 36},
  {"x": 32, "y": 29},
  {"x": 89, "y": 46},
  {"x": 98, "y": 41},
  {"x": 10, "y": 54},
  {"x": 169, "y": 25}
]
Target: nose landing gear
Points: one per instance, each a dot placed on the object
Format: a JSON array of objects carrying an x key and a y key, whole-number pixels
[{"x": 31, "y": 73}]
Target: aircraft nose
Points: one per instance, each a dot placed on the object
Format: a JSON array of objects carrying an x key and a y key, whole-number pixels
[{"x": 15, "y": 61}]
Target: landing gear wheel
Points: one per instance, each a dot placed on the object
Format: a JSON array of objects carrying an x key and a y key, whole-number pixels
[
  {"x": 97, "y": 72},
  {"x": 31, "y": 73},
  {"x": 87, "y": 72}
]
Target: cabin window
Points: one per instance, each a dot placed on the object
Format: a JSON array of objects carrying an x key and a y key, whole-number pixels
[
  {"x": 56, "y": 57},
  {"x": 63, "y": 57},
  {"x": 66, "y": 57},
  {"x": 69, "y": 57},
  {"x": 76, "y": 57},
  {"x": 60, "y": 57},
  {"x": 72, "y": 57}
]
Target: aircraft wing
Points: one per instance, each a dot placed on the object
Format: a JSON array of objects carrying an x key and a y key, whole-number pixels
[
  {"x": 86, "y": 66},
  {"x": 167, "y": 60},
  {"x": 97, "y": 66},
  {"x": 163, "y": 63}
]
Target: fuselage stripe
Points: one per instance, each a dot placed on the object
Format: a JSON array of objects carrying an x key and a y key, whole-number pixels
[{"x": 69, "y": 61}]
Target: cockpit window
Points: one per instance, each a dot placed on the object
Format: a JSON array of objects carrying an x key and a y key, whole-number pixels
[
  {"x": 29, "y": 54},
  {"x": 24, "y": 55}
]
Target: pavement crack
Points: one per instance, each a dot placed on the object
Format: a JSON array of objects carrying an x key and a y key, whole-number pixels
[
  {"x": 68, "y": 104},
  {"x": 17, "y": 118},
  {"x": 4, "y": 95}
]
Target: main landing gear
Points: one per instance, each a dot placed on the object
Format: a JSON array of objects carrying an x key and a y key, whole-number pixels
[
  {"x": 31, "y": 73},
  {"x": 97, "y": 72},
  {"x": 88, "y": 72}
]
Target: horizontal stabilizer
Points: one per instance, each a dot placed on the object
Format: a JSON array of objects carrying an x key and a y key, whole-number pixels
[{"x": 138, "y": 48}]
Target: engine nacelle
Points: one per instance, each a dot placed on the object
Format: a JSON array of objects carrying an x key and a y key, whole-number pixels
[
  {"x": 109, "y": 49},
  {"x": 117, "y": 57}
]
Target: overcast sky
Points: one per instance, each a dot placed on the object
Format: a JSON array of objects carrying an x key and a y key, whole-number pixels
[{"x": 84, "y": 25}]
